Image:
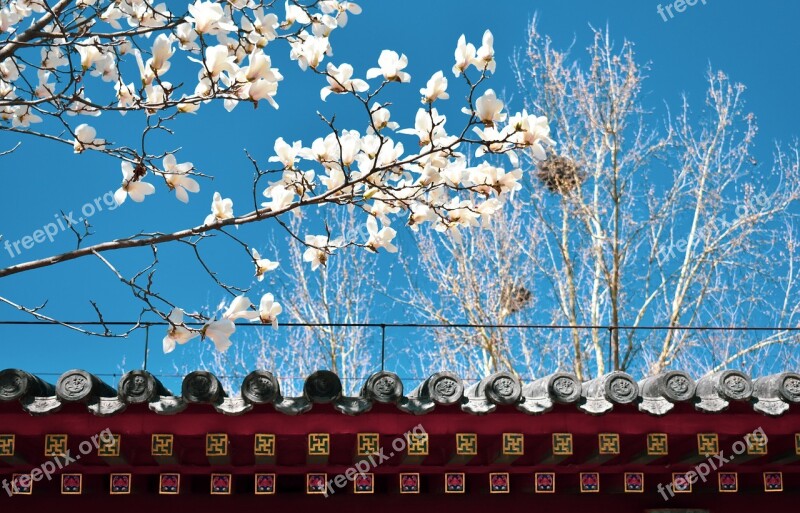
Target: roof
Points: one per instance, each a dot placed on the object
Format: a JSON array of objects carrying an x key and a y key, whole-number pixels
[{"x": 654, "y": 395}]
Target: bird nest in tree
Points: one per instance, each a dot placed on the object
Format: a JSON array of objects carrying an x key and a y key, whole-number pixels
[
  {"x": 514, "y": 297},
  {"x": 561, "y": 175}
]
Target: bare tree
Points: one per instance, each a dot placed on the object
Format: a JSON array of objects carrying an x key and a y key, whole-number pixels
[
  {"x": 634, "y": 221},
  {"x": 333, "y": 303}
]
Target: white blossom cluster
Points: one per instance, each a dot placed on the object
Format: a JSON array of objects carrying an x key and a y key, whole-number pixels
[{"x": 425, "y": 172}]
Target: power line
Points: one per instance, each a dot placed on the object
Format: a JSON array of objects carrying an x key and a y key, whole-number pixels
[{"x": 146, "y": 324}]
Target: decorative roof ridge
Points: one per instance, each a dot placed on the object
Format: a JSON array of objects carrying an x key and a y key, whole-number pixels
[{"x": 656, "y": 395}]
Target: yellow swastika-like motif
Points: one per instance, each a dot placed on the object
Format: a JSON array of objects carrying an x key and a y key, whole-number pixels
[
  {"x": 368, "y": 443},
  {"x": 7, "y": 445},
  {"x": 707, "y": 444},
  {"x": 417, "y": 444},
  {"x": 756, "y": 444},
  {"x": 109, "y": 448},
  {"x": 562, "y": 444},
  {"x": 466, "y": 444},
  {"x": 216, "y": 444},
  {"x": 608, "y": 443},
  {"x": 319, "y": 444},
  {"x": 797, "y": 444},
  {"x": 657, "y": 444},
  {"x": 55, "y": 445},
  {"x": 513, "y": 444},
  {"x": 264, "y": 444},
  {"x": 161, "y": 445}
]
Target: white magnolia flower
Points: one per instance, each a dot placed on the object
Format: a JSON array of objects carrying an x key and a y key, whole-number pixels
[
  {"x": 24, "y": 116},
  {"x": 436, "y": 88},
  {"x": 465, "y": 55},
  {"x": 380, "y": 118},
  {"x": 295, "y": 13},
  {"x": 286, "y": 154},
  {"x": 187, "y": 37},
  {"x": 428, "y": 126},
  {"x": 263, "y": 265},
  {"x": 132, "y": 186},
  {"x": 281, "y": 197},
  {"x": 219, "y": 332},
  {"x": 319, "y": 247},
  {"x": 156, "y": 97},
  {"x": 489, "y": 178},
  {"x": 262, "y": 29},
  {"x": 221, "y": 209},
  {"x": 268, "y": 311},
  {"x": 209, "y": 18},
  {"x": 487, "y": 209},
  {"x": 260, "y": 68},
  {"x": 340, "y": 9},
  {"x": 126, "y": 94},
  {"x": 310, "y": 51},
  {"x": 90, "y": 51},
  {"x": 380, "y": 238},
  {"x": 532, "y": 131},
  {"x": 86, "y": 138},
  {"x": 177, "y": 178},
  {"x": 162, "y": 51},
  {"x": 177, "y": 333},
  {"x": 489, "y": 108},
  {"x": 9, "y": 69},
  {"x": 218, "y": 61},
  {"x": 484, "y": 59},
  {"x": 240, "y": 308},
  {"x": 390, "y": 66},
  {"x": 340, "y": 81},
  {"x": 421, "y": 213}
]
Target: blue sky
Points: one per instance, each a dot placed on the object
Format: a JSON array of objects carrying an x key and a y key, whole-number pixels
[{"x": 755, "y": 43}]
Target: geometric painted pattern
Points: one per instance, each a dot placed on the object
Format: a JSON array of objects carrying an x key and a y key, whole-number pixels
[
  {"x": 364, "y": 483},
  {"x": 161, "y": 445},
  {"x": 216, "y": 444},
  {"x": 71, "y": 484},
  {"x": 7, "y": 445},
  {"x": 265, "y": 484},
  {"x": 169, "y": 484},
  {"x": 590, "y": 482},
  {"x": 109, "y": 448},
  {"x": 264, "y": 444},
  {"x": 707, "y": 445},
  {"x": 499, "y": 482},
  {"x": 634, "y": 482},
  {"x": 756, "y": 444},
  {"x": 454, "y": 482},
  {"x": 513, "y": 444},
  {"x": 797, "y": 444},
  {"x": 316, "y": 483},
  {"x": 368, "y": 443},
  {"x": 319, "y": 444},
  {"x": 220, "y": 484},
  {"x": 409, "y": 482},
  {"x": 120, "y": 484},
  {"x": 562, "y": 444},
  {"x": 608, "y": 443},
  {"x": 657, "y": 444},
  {"x": 681, "y": 483},
  {"x": 545, "y": 482},
  {"x": 466, "y": 444},
  {"x": 728, "y": 482},
  {"x": 773, "y": 481},
  {"x": 417, "y": 444},
  {"x": 55, "y": 445},
  {"x": 21, "y": 484}
]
